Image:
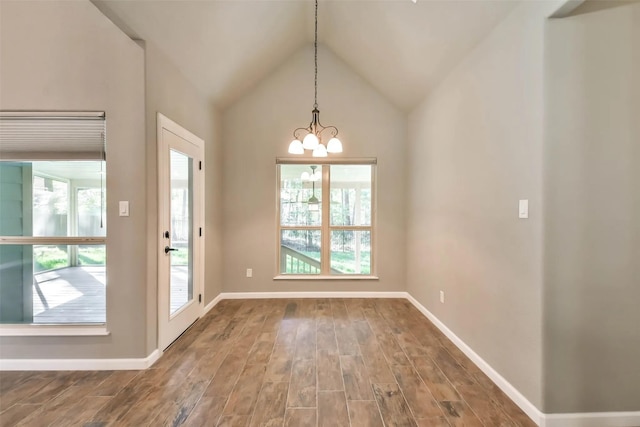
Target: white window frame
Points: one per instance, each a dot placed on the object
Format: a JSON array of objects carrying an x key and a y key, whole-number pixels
[
  {"x": 325, "y": 227},
  {"x": 71, "y": 329}
]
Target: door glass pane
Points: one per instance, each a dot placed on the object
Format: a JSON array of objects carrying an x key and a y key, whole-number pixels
[
  {"x": 350, "y": 252},
  {"x": 300, "y": 252},
  {"x": 181, "y": 282},
  {"x": 300, "y": 195},
  {"x": 350, "y": 195}
]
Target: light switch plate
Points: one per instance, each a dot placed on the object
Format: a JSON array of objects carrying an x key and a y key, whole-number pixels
[
  {"x": 249, "y": 272},
  {"x": 523, "y": 209},
  {"x": 124, "y": 208}
]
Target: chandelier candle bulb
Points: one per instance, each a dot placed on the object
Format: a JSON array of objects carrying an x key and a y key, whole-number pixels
[
  {"x": 320, "y": 151},
  {"x": 296, "y": 147},
  {"x": 310, "y": 141},
  {"x": 334, "y": 145}
]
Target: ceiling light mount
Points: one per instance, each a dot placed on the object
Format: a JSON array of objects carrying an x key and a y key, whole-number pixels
[{"x": 312, "y": 136}]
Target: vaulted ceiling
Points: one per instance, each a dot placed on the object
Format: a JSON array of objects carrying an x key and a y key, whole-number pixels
[{"x": 225, "y": 47}]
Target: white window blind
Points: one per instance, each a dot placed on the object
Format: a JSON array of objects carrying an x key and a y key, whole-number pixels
[{"x": 52, "y": 136}]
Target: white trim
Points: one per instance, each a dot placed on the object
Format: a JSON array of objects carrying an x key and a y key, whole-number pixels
[
  {"x": 53, "y": 114},
  {"x": 513, "y": 393},
  {"x": 35, "y": 330},
  {"x": 324, "y": 277},
  {"x": 592, "y": 419},
  {"x": 212, "y": 304},
  {"x": 79, "y": 364},
  {"x": 53, "y": 240},
  {"x": 326, "y": 161},
  {"x": 263, "y": 295}
]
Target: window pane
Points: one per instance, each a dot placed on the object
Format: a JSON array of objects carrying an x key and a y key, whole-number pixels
[
  {"x": 300, "y": 195},
  {"x": 89, "y": 207},
  {"x": 40, "y": 285},
  {"x": 50, "y": 206},
  {"x": 181, "y": 278},
  {"x": 300, "y": 252},
  {"x": 350, "y": 252},
  {"x": 50, "y": 257},
  {"x": 350, "y": 195},
  {"x": 92, "y": 255},
  {"x": 52, "y": 198}
]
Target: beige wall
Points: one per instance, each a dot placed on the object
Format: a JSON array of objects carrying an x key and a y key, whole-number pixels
[
  {"x": 258, "y": 128},
  {"x": 68, "y": 56},
  {"x": 592, "y": 212},
  {"x": 170, "y": 93},
  {"x": 475, "y": 149}
]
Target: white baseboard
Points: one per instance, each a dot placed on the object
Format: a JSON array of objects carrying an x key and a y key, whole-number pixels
[
  {"x": 79, "y": 364},
  {"x": 263, "y": 295},
  {"x": 593, "y": 419},
  {"x": 212, "y": 304}
]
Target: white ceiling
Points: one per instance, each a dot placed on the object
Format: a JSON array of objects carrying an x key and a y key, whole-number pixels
[{"x": 224, "y": 47}]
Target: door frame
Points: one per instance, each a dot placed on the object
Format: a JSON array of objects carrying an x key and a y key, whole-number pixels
[{"x": 166, "y": 332}]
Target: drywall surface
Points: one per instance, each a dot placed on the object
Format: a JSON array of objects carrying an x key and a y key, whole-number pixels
[
  {"x": 60, "y": 55},
  {"x": 258, "y": 128},
  {"x": 170, "y": 93},
  {"x": 592, "y": 212},
  {"x": 475, "y": 150}
]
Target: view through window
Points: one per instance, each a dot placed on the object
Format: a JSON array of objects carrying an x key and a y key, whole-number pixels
[
  {"x": 53, "y": 222},
  {"x": 326, "y": 219}
]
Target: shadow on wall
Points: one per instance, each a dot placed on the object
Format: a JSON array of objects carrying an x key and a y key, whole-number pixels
[{"x": 596, "y": 6}]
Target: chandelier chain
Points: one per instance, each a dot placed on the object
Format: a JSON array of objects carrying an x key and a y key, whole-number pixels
[{"x": 315, "y": 47}]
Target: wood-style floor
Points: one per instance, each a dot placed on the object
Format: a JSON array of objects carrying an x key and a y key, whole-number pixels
[{"x": 309, "y": 362}]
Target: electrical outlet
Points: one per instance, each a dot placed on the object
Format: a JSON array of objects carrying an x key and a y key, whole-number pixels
[
  {"x": 249, "y": 272},
  {"x": 442, "y": 297}
]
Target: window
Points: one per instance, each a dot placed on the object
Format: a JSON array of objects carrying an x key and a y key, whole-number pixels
[
  {"x": 326, "y": 219},
  {"x": 53, "y": 223}
]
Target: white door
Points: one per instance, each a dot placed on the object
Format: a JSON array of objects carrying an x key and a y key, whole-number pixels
[{"x": 181, "y": 222}]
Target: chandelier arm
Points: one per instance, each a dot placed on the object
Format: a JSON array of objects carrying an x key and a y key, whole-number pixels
[
  {"x": 332, "y": 129},
  {"x": 295, "y": 132}
]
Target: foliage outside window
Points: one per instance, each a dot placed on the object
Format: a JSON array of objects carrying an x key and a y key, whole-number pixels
[{"x": 326, "y": 219}]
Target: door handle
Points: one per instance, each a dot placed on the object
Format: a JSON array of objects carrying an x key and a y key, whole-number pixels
[{"x": 167, "y": 249}]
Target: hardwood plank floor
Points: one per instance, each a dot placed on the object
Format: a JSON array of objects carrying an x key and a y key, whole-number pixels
[{"x": 304, "y": 362}]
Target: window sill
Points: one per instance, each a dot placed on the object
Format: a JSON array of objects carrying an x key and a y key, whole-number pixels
[
  {"x": 53, "y": 330},
  {"x": 320, "y": 277}
]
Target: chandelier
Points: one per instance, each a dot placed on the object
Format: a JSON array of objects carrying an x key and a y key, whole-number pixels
[{"x": 311, "y": 137}]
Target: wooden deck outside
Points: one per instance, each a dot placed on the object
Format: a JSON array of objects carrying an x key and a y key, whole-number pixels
[{"x": 78, "y": 294}]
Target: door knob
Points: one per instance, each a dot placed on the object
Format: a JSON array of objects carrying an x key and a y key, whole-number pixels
[{"x": 167, "y": 249}]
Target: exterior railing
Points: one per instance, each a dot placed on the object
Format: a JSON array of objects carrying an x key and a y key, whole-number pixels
[{"x": 295, "y": 262}]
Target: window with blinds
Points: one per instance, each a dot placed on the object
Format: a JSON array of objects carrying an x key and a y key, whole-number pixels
[{"x": 52, "y": 217}]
